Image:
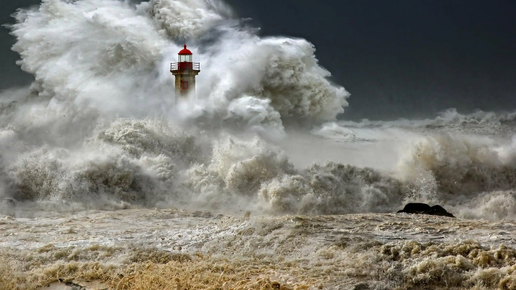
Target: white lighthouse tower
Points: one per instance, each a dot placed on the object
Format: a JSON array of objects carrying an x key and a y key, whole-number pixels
[{"x": 185, "y": 71}]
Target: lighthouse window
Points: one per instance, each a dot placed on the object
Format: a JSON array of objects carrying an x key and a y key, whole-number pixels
[{"x": 185, "y": 58}]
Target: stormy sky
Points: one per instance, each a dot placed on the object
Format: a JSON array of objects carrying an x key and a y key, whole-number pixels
[{"x": 400, "y": 58}]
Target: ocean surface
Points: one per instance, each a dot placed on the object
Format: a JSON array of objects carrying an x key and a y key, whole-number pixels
[{"x": 110, "y": 182}]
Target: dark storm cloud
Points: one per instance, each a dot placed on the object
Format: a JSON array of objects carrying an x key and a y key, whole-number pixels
[
  {"x": 401, "y": 58},
  {"x": 405, "y": 57},
  {"x": 10, "y": 74}
]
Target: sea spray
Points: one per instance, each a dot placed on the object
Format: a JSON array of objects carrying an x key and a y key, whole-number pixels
[
  {"x": 98, "y": 119},
  {"x": 100, "y": 122},
  {"x": 333, "y": 188}
]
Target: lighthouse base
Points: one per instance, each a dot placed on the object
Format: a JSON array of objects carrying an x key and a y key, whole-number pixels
[{"x": 185, "y": 82}]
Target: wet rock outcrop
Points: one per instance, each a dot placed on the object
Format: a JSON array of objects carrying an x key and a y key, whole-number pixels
[{"x": 423, "y": 208}]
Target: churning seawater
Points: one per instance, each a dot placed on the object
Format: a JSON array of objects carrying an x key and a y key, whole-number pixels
[{"x": 108, "y": 182}]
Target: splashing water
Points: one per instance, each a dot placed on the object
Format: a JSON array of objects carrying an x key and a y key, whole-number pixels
[
  {"x": 100, "y": 125},
  {"x": 100, "y": 118}
]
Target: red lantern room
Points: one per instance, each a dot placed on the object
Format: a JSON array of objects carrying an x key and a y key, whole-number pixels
[
  {"x": 185, "y": 71},
  {"x": 185, "y": 52}
]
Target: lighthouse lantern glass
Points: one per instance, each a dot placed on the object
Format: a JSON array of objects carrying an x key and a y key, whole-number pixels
[{"x": 185, "y": 58}]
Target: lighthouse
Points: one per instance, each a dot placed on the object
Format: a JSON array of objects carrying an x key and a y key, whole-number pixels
[{"x": 185, "y": 71}]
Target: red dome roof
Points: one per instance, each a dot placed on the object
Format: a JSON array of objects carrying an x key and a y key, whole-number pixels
[{"x": 185, "y": 51}]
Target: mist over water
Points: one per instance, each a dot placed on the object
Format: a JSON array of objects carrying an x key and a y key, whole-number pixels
[{"x": 100, "y": 126}]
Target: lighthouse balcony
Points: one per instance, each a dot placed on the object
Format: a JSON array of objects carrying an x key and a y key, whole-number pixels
[{"x": 177, "y": 66}]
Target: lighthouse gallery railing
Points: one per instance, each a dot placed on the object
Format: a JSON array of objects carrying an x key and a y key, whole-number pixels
[{"x": 185, "y": 66}]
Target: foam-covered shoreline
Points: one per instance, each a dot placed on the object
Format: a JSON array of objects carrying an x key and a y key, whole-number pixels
[{"x": 384, "y": 251}]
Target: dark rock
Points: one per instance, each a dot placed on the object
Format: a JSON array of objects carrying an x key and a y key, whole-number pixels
[
  {"x": 439, "y": 210},
  {"x": 416, "y": 208},
  {"x": 423, "y": 208}
]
